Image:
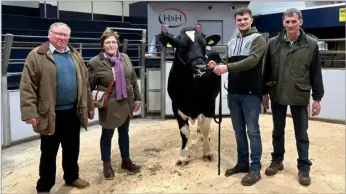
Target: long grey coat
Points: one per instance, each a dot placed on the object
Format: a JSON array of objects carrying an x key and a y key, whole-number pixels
[{"x": 101, "y": 75}]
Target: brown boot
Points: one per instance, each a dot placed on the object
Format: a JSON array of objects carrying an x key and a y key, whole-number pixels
[
  {"x": 79, "y": 183},
  {"x": 108, "y": 172},
  {"x": 127, "y": 164}
]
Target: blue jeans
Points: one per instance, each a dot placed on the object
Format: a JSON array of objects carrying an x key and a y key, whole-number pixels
[
  {"x": 300, "y": 121},
  {"x": 123, "y": 141},
  {"x": 245, "y": 110}
]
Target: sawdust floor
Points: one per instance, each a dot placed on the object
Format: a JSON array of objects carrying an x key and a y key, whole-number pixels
[{"x": 156, "y": 146}]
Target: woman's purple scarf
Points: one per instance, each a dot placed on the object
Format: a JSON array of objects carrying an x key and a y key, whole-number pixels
[{"x": 121, "y": 92}]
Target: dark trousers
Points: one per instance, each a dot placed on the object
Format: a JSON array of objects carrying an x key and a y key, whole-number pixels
[
  {"x": 300, "y": 122},
  {"x": 123, "y": 141},
  {"x": 67, "y": 132},
  {"x": 245, "y": 110}
]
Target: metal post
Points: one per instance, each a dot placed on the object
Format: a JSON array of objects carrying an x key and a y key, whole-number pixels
[
  {"x": 57, "y": 10},
  {"x": 143, "y": 73},
  {"x": 92, "y": 10},
  {"x": 139, "y": 53},
  {"x": 125, "y": 45},
  {"x": 45, "y": 9},
  {"x": 81, "y": 48},
  {"x": 163, "y": 86},
  {"x": 122, "y": 11},
  {"x": 5, "y": 103}
]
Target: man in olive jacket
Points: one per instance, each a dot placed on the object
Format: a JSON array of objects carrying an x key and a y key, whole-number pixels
[
  {"x": 291, "y": 70},
  {"x": 55, "y": 98}
]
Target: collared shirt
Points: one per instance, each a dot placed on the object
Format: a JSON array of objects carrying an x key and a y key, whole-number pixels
[
  {"x": 291, "y": 43},
  {"x": 52, "y": 49}
]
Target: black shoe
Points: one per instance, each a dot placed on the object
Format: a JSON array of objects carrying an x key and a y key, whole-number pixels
[
  {"x": 250, "y": 179},
  {"x": 304, "y": 178},
  {"x": 237, "y": 169},
  {"x": 274, "y": 168}
]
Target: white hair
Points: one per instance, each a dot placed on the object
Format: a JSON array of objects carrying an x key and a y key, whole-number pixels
[{"x": 56, "y": 24}]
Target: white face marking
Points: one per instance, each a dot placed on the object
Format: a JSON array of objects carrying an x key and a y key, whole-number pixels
[{"x": 191, "y": 35}]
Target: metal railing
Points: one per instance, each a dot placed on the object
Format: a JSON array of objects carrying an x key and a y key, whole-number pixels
[{"x": 5, "y": 104}]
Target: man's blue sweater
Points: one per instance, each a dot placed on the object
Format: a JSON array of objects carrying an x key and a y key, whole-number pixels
[{"x": 66, "y": 81}]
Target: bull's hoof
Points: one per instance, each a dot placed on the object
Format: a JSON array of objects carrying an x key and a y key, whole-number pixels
[
  {"x": 208, "y": 158},
  {"x": 182, "y": 163}
]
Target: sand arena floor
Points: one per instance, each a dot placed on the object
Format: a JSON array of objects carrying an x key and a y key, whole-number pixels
[{"x": 156, "y": 146}]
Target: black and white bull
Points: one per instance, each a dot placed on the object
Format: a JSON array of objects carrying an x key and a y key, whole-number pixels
[{"x": 193, "y": 87}]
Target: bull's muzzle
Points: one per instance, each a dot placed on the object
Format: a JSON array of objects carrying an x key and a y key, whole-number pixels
[{"x": 199, "y": 69}]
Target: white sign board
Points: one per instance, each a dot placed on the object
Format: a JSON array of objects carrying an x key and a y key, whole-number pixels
[
  {"x": 183, "y": 14},
  {"x": 168, "y": 101},
  {"x": 139, "y": 112},
  {"x": 224, "y": 92}
]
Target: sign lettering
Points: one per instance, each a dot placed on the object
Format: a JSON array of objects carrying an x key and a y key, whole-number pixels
[{"x": 173, "y": 17}]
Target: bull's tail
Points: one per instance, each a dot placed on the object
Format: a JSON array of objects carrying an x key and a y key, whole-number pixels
[{"x": 219, "y": 123}]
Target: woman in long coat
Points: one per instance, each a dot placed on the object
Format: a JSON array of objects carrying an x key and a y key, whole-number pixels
[{"x": 113, "y": 68}]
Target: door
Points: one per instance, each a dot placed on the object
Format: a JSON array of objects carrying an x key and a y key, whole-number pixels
[{"x": 210, "y": 27}]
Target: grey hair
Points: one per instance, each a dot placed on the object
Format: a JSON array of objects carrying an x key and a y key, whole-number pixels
[
  {"x": 56, "y": 24},
  {"x": 292, "y": 11}
]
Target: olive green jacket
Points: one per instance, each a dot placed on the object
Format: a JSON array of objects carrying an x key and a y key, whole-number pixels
[
  {"x": 100, "y": 76},
  {"x": 291, "y": 71},
  {"x": 38, "y": 89}
]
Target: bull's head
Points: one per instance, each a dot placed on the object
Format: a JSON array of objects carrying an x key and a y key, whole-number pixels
[{"x": 191, "y": 49}]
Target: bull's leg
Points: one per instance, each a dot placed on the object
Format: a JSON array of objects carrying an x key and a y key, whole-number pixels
[
  {"x": 199, "y": 132},
  {"x": 185, "y": 134},
  {"x": 205, "y": 129}
]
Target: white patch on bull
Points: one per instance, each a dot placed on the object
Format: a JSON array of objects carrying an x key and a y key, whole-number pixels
[
  {"x": 186, "y": 131},
  {"x": 208, "y": 48},
  {"x": 183, "y": 116},
  {"x": 192, "y": 121},
  {"x": 191, "y": 35},
  {"x": 204, "y": 126},
  {"x": 185, "y": 153}
]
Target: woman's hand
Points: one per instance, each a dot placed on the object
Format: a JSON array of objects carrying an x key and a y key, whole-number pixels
[{"x": 136, "y": 106}]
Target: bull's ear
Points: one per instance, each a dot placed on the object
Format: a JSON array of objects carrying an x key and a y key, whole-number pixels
[
  {"x": 213, "y": 40},
  {"x": 168, "y": 41}
]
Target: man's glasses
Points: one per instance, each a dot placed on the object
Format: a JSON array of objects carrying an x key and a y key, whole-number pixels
[{"x": 60, "y": 34}]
